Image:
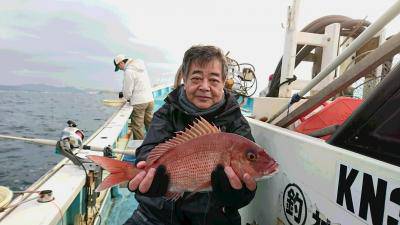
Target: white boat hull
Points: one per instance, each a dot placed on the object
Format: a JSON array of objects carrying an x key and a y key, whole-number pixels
[{"x": 320, "y": 183}]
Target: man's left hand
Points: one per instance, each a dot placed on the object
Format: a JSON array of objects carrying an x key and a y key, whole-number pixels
[
  {"x": 229, "y": 190},
  {"x": 235, "y": 181}
]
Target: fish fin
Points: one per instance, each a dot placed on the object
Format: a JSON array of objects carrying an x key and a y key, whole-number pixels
[
  {"x": 119, "y": 171},
  {"x": 200, "y": 128},
  {"x": 111, "y": 180},
  {"x": 173, "y": 196},
  {"x": 203, "y": 186},
  {"x": 111, "y": 165}
]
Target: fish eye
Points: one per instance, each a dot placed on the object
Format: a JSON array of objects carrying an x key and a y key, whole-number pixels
[{"x": 251, "y": 156}]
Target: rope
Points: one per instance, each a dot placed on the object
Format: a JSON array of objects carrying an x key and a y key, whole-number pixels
[
  {"x": 60, "y": 211},
  {"x": 289, "y": 80},
  {"x": 17, "y": 204},
  {"x": 295, "y": 98}
]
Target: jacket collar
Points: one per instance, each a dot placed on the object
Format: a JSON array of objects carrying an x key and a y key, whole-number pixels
[
  {"x": 230, "y": 105},
  {"x": 127, "y": 63}
]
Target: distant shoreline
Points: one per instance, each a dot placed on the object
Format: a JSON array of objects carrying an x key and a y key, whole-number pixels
[
  {"x": 49, "y": 88},
  {"x": 66, "y": 89}
]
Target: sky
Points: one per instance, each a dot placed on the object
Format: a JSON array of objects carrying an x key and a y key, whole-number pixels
[{"x": 72, "y": 43}]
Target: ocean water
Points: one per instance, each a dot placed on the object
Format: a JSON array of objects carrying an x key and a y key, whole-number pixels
[{"x": 42, "y": 115}]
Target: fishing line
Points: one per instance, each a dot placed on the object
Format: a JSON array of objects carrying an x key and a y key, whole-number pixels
[
  {"x": 60, "y": 211},
  {"x": 86, "y": 181}
]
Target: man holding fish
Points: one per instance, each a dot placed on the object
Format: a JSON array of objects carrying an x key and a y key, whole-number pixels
[{"x": 202, "y": 174}]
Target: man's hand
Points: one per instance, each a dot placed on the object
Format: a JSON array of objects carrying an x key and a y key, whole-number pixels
[
  {"x": 120, "y": 95},
  {"x": 143, "y": 183},
  {"x": 229, "y": 190},
  {"x": 235, "y": 181}
]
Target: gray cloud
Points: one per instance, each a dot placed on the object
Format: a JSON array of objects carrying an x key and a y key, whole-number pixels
[
  {"x": 13, "y": 60},
  {"x": 68, "y": 42}
]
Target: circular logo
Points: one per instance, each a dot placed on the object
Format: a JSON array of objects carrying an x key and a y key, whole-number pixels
[{"x": 294, "y": 205}]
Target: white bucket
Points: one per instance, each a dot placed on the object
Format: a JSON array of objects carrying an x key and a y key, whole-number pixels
[
  {"x": 114, "y": 102},
  {"x": 5, "y": 196}
]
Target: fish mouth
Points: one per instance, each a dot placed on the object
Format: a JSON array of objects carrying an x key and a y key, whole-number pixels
[
  {"x": 269, "y": 172},
  {"x": 267, "y": 175}
]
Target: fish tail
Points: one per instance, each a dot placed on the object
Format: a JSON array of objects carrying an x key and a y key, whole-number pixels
[{"x": 120, "y": 171}]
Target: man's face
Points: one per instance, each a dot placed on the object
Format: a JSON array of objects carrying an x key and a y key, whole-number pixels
[
  {"x": 121, "y": 65},
  {"x": 204, "y": 86}
]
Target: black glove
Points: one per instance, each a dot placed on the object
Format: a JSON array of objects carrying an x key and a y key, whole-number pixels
[
  {"x": 120, "y": 95},
  {"x": 159, "y": 186},
  {"x": 224, "y": 193}
]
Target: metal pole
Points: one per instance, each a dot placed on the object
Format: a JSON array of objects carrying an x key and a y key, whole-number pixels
[
  {"x": 289, "y": 56},
  {"x": 54, "y": 143},
  {"x": 374, "y": 28},
  {"x": 128, "y": 151}
]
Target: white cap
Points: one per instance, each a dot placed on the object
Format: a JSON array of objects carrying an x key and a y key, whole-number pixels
[{"x": 117, "y": 60}]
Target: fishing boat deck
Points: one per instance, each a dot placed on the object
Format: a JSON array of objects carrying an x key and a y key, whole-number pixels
[
  {"x": 67, "y": 181},
  {"x": 124, "y": 203}
]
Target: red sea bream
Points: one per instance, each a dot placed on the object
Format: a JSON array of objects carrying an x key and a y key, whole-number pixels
[{"x": 192, "y": 155}]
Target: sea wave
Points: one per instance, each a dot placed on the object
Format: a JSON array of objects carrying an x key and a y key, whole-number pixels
[{"x": 42, "y": 115}]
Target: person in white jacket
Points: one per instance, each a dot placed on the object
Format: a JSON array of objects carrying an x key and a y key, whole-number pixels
[{"x": 136, "y": 90}]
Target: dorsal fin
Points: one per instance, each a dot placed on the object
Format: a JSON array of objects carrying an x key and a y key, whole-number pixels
[{"x": 200, "y": 128}]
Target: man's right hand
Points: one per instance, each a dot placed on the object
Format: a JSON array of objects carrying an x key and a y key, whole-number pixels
[{"x": 143, "y": 183}]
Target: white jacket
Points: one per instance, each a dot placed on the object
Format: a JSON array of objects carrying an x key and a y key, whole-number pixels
[{"x": 136, "y": 85}]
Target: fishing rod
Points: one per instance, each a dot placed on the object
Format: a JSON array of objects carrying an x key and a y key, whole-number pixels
[{"x": 49, "y": 142}]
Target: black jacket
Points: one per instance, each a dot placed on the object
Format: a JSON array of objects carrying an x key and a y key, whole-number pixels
[{"x": 169, "y": 119}]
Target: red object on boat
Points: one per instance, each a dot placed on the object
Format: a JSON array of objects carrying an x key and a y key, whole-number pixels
[{"x": 334, "y": 113}]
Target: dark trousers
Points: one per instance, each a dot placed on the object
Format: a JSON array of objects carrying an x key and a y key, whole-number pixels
[{"x": 142, "y": 216}]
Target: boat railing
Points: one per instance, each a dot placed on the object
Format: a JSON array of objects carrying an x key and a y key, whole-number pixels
[
  {"x": 67, "y": 181},
  {"x": 372, "y": 30}
]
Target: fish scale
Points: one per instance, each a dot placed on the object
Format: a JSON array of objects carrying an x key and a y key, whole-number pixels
[
  {"x": 192, "y": 171},
  {"x": 190, "y": 164}
]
